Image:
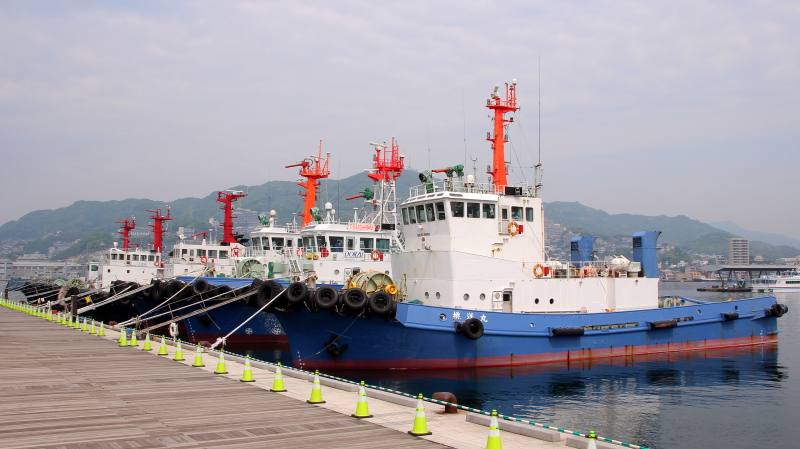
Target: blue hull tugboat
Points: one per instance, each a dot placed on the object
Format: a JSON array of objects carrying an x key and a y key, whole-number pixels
[{"x": 474, "y": 287}]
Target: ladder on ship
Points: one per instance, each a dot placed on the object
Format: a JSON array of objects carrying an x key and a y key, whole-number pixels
[{"x": 294, "y": 268}]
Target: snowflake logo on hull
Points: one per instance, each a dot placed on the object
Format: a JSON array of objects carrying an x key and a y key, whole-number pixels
[{"x": 456, "y": 315}]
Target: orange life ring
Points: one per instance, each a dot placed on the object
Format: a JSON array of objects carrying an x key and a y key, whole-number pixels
[
  {"x": 377, "y": 228},
  {"x": 235, "y": 252},
  {"x": 376, "y": 255},
  {"x": 203, "y": 259},
  {"x": 300, "y": 252},
  {"x": 157, "y": 264},
  {"x": 324, "y": 252},
  {"x": 513, "y": 228},
  {"x": 538, "y": 269}
]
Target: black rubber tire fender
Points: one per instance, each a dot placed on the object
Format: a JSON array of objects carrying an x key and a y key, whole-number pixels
[
  {"x": 326, "y": 297},
  {"x": 297, "y": 293},
  {"x": 266, "y": 292},
  {"x": 200, "y": 286},
  {"x": 472, "y": 328},
  {"x": 174, "y": 286},
  {"x": 381, "y": 303},
  {"x": 355, "y": 298}
]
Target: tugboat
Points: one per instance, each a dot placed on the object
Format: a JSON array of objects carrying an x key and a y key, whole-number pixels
[{"x": 476, "y": 288}]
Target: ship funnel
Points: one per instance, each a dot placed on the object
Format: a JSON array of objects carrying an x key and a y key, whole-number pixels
[
  {"x": 581, "y": 248},
  {"x": 644, "y": 252}
]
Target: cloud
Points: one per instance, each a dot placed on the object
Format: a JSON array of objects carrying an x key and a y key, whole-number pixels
[{"x": 109, "y": 100}]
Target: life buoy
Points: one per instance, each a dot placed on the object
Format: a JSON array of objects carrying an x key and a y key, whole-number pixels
[
  {"x": 157, "y": 264},
  {"x": 513, "y": 228},
  {"x": 300, "y": 252},
  {"x": 235, "y": 252},
  {"x": 173, "y": 329},
  {"x": 203, "y": 259},
  {"x": 377, "y": 228},
  {"x": 324, "y": 252},
  {"x": 376, "y": 255},
  {"x": 538, "y": 270}
]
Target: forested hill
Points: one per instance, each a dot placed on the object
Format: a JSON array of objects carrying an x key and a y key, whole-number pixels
[
  {"x": 674, "y": 229},
  {"x": 84, "y": 218}
]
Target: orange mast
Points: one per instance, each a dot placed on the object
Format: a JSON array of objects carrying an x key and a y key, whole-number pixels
[
  {"x": 499, "y": 138},
  {"x": 312, "y": 168}
]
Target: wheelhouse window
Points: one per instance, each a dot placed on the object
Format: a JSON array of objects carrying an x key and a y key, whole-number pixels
[
  {"x": 457, "y": 208},
  {"x": 321, "y": 242},
  {"x": 429, "y": 211},
  {"x": 473, "y": 210},
  {"x": 504, "y": 213},
  {"x": 277, "y": 243},
  {"x": 412, "y": 215},
  {"x": 405, "y": 216},
  {"x": 201, "y": 252},
  {"x": 289, "y": 243},
  {"x": 212, "y": 253},
  {"x": 151, "y": 258},
  {"x": 136, "y": 257},
  {"x": 488, "y": 210},
  {"x": 421, "y": 213},
  {"x": 255, "y": 242},
  {"x": 184, "y": 251},
  {"x": 223, "y": 254},
  {"x": 366, "y": 245},
  {"x": 529, "y": 213},
  {"x": 308, "y": 243},
  {"x": 516, "y": 213},
  {"x": 383, "y": 245},
  {"x": 337, "y": 243},
  {"x": 440, "y": 211},
  {"x": 113, "y": 256}
]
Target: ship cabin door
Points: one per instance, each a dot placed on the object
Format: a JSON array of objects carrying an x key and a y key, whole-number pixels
[{"x": 507, "y": 302}]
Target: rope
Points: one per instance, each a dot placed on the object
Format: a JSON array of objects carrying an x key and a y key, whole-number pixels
[
  {"x": 171, "y": 311},
  {"x": 197, "y": 312},
  {"x": 223, "y": 339}
]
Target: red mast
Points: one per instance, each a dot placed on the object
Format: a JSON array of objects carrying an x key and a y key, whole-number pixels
[
  {"x": 389, "y": 165},
  {"x": 498, "y": 139},
  {"x": 312, "y": 168},
  {"x": 158, "y": 228},
  {"x": 127, "y": 226},
  {"x": 227, "y": 226}
]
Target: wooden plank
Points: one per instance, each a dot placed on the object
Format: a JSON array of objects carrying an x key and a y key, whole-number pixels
[{"x": 62, "y": 388}]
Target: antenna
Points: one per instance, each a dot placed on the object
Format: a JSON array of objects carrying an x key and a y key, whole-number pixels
[{"x": 540, "y": 109}]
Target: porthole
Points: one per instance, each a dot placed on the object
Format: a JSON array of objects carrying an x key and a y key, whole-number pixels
[
  {"x": 438, "y": 295},
  {"x": 699, "y": 312},
  {"x": 335, "y": 271},
  {"x": 496, "y": 295},
  {"x": 442, "y": 317},
  {"x": 736, "y": 308},
  {"x": 483, "y": 296},
  {"x": 533, "y": 325},
  {"x": 427, "y": 295},
  {"x": 536, "y": 301},
  {"x": 552, "y": 300},
  {"x": 466, "y": 296},
  {"x": 386, "y": 272}
]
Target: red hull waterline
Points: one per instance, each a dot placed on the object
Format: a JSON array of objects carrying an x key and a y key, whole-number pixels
[
  {"x": 240, "y": 338},
  {"x": 533, "y": 359}
]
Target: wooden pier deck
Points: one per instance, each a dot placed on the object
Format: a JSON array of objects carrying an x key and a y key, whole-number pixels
[{"x": 61, "y": 388}]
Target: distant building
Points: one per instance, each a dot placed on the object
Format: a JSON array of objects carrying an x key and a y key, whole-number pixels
[
  {"x": 36, "y": 266},
  {"x": 739, "y": 251},
  {"x": 6, "y": 266}
]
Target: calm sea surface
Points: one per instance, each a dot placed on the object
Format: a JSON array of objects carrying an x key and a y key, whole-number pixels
[{"x": 735, "y": 398}]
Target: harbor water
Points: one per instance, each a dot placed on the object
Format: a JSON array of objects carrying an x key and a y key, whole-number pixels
[{"x": 732, "y": 398}]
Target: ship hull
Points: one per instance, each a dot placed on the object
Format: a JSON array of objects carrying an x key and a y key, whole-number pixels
[{"x": 424, "y": 337}]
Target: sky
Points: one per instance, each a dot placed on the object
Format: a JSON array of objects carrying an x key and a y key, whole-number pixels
[{"x": 656, "y": 108}]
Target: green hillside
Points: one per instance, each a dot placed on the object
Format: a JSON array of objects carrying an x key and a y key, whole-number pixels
[{"x": 674, "y": 229}]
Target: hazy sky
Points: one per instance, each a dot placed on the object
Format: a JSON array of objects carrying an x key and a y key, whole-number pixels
[{"x": 680, "y": 107}]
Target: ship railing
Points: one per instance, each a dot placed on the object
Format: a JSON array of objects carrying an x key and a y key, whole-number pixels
[
  {"x": 584, "y": 269},
  {"x": 521, "y": 189}
]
